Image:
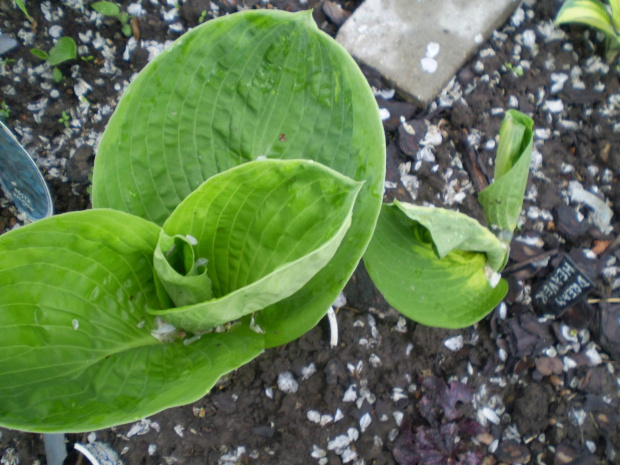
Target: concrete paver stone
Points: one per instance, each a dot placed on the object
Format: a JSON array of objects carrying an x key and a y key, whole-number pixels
[{"x": 419, "y": 45}]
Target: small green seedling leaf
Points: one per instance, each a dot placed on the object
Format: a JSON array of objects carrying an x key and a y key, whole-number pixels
[
  {"x": 454, "y": 291},
  {"x": 106, "y": 8},
  {"x": 126, "y": 29},
  {"x": 37, "y": 52},
  {"x": 65, "y": 49},
  {"x": 502, "y": 200},
  {"x": 265, "y": 228},
  {"x": 22, "y": 6},
  {"x": 56, "y": 75}
]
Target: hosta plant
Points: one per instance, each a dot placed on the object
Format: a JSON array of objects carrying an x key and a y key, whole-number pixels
[
  {"x": 235, "y": 190},
  {"x": 596, "y": 14},
  {"x": 440, "y": 267}
]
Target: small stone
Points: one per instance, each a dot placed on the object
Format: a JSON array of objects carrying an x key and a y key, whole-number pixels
[
  {"x": 55, "y": 31},
  {"x": 454, "y": 343},
  {"x": 429, "y": 65},
  {"x": 365, "y": 421},
  {"x": 335, "y": 13},
  {"x": 348, "y": 455},
  {"x": 549, "y": 365},
  {"x": 410, "y": 134},
  {"x": 263, "y": 431},
  {"x": 554, "y": 106},
  {"x": 512, "y": 452},
  {"x": 339, "y": 442},
  {"x": 529, "y": 38},
  {"x": 317, "y": 452},
  {"x": 350, "y": 394},
  {"x": 489, "y": 414},
  {"x": 287, "y": 383},
  {"x": 80, "y": 164},
  {"x": 7, "y": 44}
]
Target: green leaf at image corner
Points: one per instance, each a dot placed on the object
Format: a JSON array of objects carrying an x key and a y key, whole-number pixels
[
  {"x": 77, "y": 345},
  {"x": 265, "y": 229},
  {"x": 615, "y": 15},
  {"x": 502, "y": 200},
  {"x": 259, "y": 83},
  {"x": 65, "y": 49},
  {"x": 591, "y": 13},
  {"x": 451, "y": 230},
  {"x": 451, "y": 292}
]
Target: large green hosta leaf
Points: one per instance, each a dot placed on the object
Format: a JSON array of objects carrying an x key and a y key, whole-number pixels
[
  {"x": 76, "y": 349},
  {"x": 254, "y": 84},
  {"x": 265, "y": 229},
  {"x": 451, "y": 291}
]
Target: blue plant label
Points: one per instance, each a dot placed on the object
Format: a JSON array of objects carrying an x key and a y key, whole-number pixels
[
  {"x": 21, "y": 179},
  {"x": 564, "y": 286}
]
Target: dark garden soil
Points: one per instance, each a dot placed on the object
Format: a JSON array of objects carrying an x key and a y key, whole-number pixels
[{"x": 518, "y": 387}]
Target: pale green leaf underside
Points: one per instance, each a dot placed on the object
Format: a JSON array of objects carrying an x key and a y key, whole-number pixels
[
  {"x": 452, "y": 292},
  {"x": 265, "y": 228},
  {"x": 254, "y": 84},
  {"x": 452, "y": 230},
  {"x": 76, "y": 351},
  {"x": 592, "y": 13},
  {"x": 502, "y": 200}
]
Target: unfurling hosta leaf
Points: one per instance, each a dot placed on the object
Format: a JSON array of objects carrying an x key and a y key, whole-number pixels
[
  {"x": 265, "y": 229},
  {"x": 250, "y": 85},
  {"x": 502, "y": 200},
  {"x": 450, "y": 292},
  {"x": 78, "y": 350},
  {"x": 451, "y": 230},
  {"x": 180, "y": 276}
]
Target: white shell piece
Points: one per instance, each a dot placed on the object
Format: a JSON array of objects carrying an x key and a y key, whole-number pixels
[
  {"x": 313, "y": 416},
  {"x": 339, "y": 442},
  {"x": 490, "y": 415},
  {"x": 350, "y": 394},
  {"x": 317, "y": 452},
  {"x": 287, "y": 383},
  {"x": 454, "y": 343},
  {"x": 365, "y": 421}
]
